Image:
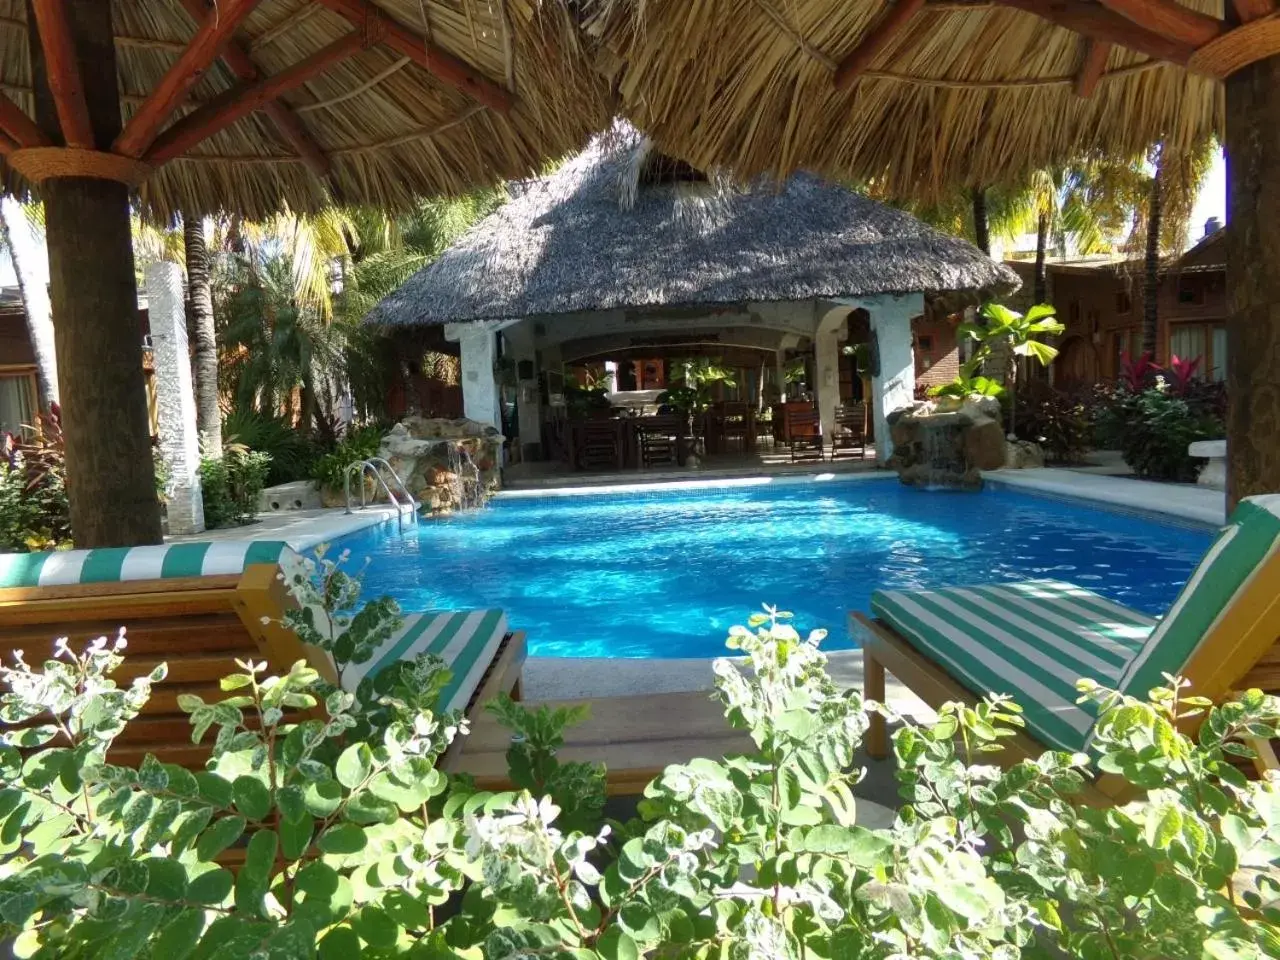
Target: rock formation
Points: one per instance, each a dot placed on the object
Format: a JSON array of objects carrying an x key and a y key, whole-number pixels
[
  {"x": 947, "y": 442},
  {"x": 446, "y": 464}
]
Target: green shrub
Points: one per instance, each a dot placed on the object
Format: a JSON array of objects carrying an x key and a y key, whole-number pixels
[
  {"x": 1156, "y": 432},
  {"x": 352, "y": 841},
  {"x": 360, "y": 443},
  {"x": 292, "y": 452},
  {"x": 1056, "y": 420},
  {"x": 232, "y": 485},
  {"x": 35, "y": 514}
]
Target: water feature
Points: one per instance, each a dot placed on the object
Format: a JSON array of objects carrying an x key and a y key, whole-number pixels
[
  {"x": 947, "y": 443},
  {"x": 448, "y": 465}
]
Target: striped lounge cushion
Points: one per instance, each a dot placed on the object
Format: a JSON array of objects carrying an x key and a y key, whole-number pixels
[
  {"x": 120, "y": 564},
  {"x": 1251, "y": 536},
  {"x": 467, "y": 641},
  {"x": 1032, "y": 640}
]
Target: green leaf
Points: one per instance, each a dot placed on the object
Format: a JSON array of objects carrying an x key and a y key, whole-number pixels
[
  {"x": 210, "y": 887},
  {"x": 179, "y": 937},
  {"x": 638, "y": 919},
  {"x": 343, "y": 838},
  {"x": 166, "y": 879},
  {"x": 234, "y": 682},
  {"x": 376, "y": 927},
  {"x": 215, "y": 789},
  {"x": 218, "y": 837},
  {"x": 251, "y": 797},
  {"x": 354, "y": 765},
  {"x": 615, "y": 944},
  {"x": 254, "y": 878},
  {"x": 1163, "y": 826},
  {"x": 323, "y": 797},
  {"x": 340, "y": 943},
  {"x": 295, "y": 836}
]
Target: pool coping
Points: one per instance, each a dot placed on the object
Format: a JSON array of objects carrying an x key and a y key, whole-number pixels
[
  {"x": 710, "y": 483},
  {"x": 300, "y": 529},
  {"x": 1200, "y": 507}
]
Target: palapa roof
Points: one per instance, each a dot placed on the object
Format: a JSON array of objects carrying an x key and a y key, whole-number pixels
[
  {"x": 387, "y": 128},
  {"x": 941, "y": 93},
  {"x": 599, "y": 234}
]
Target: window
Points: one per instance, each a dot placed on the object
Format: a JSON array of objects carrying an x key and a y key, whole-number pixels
[
  {"x": 1190, "y": 291},
  {"x": 17, "y": 400},
  {"x": 1207, "y": 341},
  {"x": 1124, "y": 303},
  {"x": 1218, "y": 354},
  {"x": 925, "y": 344}
]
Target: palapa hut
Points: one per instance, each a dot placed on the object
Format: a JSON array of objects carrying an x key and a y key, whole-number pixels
[
  {"x": 623, "y": 248},
  {"x": 244, "y": 106},
  {"x": 923, "y": 95}
]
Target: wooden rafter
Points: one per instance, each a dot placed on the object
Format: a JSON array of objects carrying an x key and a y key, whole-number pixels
[
  {"x": 435, "y": 60},
  {"x": 1250, "y": 10},
  {"x": 18, "y": 127},
  {"x": 1096, "y": 22},
  {"x": 244, "y": 100},
  {"x": 214, "y": 33},
  {"x": 62, "y": 69},
  {"x": 875, "y": 40},
  {"x": 241, "y": 63},
  {"x": 1092, "y": 67},
  {"x": 1169, "y": 19}
]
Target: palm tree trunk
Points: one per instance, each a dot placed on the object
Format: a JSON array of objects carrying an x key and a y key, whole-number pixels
[
  {"x": 205, "y": 336},
  {"x": 21, "y": 242},
  {"x": 1151, "y": 270},
  {"x": 981, "y": 230},
  {"x": 1040, "y": 290}
]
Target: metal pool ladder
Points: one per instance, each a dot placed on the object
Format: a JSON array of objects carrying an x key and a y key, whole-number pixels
[{"x": 404, "y": 503}]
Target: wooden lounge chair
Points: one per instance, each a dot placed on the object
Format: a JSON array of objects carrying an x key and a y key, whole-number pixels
[
  {"x": 198, "y": 607},
  {"x": 850, "y": 433},
  {"x": 1035, "y": 639},
  {"x": 804, "y": 433}
]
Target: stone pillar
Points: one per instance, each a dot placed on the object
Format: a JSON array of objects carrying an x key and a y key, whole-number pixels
[
  {"x": 519, "y": 345},
  {"x": 893, "y": 378},
  {"x": 832, "y": 331},
  {"x": 175, "y": 396},
  {"x": 479, "y": 348},
  {"x": 779, "y": 372}
]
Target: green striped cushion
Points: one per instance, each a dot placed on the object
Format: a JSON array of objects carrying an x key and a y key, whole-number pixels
[
  {"x": 121, "y": 564},
  {"x": 466, "y": 640},
  {"x": 1032, "y": 640},
  {"x": 1250, "y": 536}
]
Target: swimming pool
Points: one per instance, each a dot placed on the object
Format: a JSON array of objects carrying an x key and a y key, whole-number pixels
[{"x": 665, "y": 574}]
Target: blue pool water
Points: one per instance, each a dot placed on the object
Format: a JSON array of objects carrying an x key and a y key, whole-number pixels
[{"x": 666, "y": 574}]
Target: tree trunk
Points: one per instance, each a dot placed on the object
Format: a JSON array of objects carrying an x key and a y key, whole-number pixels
[
  {"x": 1253, "y": 282},
  {"x": 205, "y": 337},
  {"x": 1040, "y": 290},
  {"x": 110, "y": 472},
  {"x": 981, "y": 231},
  {"x": 1151, "y": 271},
  {"x": 23, "y": 246}
]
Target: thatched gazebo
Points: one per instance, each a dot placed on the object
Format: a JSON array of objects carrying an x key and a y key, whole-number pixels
[
  {"x": 624, "y": 248},
  {"x": 195, "y": 107},
  {"x": 924, "y": 95}
]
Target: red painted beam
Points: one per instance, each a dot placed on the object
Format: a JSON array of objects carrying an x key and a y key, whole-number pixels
[
  {"x": 20, "y": 128},
  {"x": 1092, "y": 68},
  {"x": 1168, "y": 18},
  {"x": 62, "y": 70},
  {"x": 211, "y": 39},
  {"x": 452, "y": 70},
  {"x": 1250, "y": 10},
  {"x": 241, "y": 63},
  {"x": 242, "y": 101},
  {"x": 875, "y": 40},
  {"x": 1096, "y": 22}
]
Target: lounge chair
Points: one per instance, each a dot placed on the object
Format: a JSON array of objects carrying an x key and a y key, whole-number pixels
[
  {"x": 1035, "y": 639},
  {"x": 197, "y": 607}
]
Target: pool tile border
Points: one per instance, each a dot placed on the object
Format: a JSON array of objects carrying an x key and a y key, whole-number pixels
[{"x": 711, "y": 483}]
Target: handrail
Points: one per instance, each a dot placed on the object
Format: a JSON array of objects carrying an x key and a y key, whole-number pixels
[{"x": 375, "y": 465}]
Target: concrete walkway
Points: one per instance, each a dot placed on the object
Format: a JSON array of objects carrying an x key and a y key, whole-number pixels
[
  {"x": 1182, "y": 501},
  {"x": 301, "y": 529}
]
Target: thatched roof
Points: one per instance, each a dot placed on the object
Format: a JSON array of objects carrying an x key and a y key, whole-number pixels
[
  {"x": 601, "y": 234},
  {"x": 964, "y": 93},
  {"x": 389, "y": 128}
]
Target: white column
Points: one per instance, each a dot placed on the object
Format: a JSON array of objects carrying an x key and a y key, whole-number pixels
[
  {"x": 779, "y": 372},
  {"x": 175, "y": 396},
  {"x": 893, "y": 380},
  {"x": 478, "y": 343},
  {"x": 611, "y": 376},
  {"x": 832, "y": 329},
  {"x": 519, "y": 345}
]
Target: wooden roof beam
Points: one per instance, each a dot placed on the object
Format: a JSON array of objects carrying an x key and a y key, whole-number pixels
[
  {"x": 1169, "y": 19},
  {"x": 20, "y": 128},
  {"x": 1097, "y": 22},
  {"x": 62, "y": 70},
  {"x": 435, "y": 60},
  {"x": 235, "y": 104},
  {"x": 214, "y": 33},
  {"x": 1092, "y": 67},
  {"x": 241, "y": 63},
  {"x": 1250, "y": 10},
  {"x": 875, "y": 40}
]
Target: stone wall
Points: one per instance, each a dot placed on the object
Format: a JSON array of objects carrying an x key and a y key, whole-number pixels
[{"x": 446, "y": 464}]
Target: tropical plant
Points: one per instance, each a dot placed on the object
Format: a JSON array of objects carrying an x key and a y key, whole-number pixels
[
  {"x": 34, "y": 511},
  {"x": 232, "y": 484},
  {"x": 204, "y": 360},
  {"x": 351, "y": 843},
  {"x": 1138, "y": 375},
  {"x": 359, "y": 443},
  {"x": 1056, "y": 420},
  {"x": 22, "y": 234},
  {"x": 691, "y": 389},
  {"x": 968, "y": 386},
  {"x": 1157, "y": 429},
  {"x": 293, "y": 454}
]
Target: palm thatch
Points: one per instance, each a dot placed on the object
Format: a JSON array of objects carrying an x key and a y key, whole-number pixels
[
  {"x": 967, "y": 93},
  {"x": 390, "y": 129},
  {"x": 623, "y": 226}
]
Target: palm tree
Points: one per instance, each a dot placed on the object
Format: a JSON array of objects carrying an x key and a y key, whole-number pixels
[
  {"x": 1151, "y": 263},
  {"x": 205, "y": 335},
  {"x": 22, "y": 239},
  {"x": 981, "y": 229}
]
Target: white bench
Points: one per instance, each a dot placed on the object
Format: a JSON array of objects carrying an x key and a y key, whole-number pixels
[{"x": 1214, "y": 473}]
